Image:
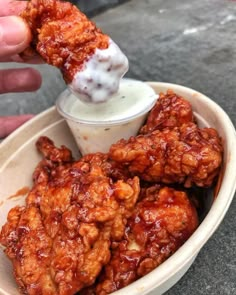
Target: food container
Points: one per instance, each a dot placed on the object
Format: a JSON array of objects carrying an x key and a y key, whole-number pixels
[
  {"x": 18, "y": 158},
  {"x": 96, "y": 126}
]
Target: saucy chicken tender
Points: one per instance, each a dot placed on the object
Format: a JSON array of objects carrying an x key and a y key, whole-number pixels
[
  {"x": 91, "y": 63},
  {"x": 170, "y": 110},
  {"x": 59, "y": 242},
  {"x": 60, "y": 32},
  {"x": 161, "y": 222},
  {"x": 185, "y": 154}
]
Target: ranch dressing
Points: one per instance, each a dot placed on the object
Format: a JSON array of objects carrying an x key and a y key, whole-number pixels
[
  {"x": 101, "y": 74},
  {"x": 96, "y": 126}
]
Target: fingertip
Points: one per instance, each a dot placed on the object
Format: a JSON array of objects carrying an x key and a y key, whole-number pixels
[
  {"x": 15, "y": 35},
  {"x": 29, "y": 79},
  {"x": 23, "y": 29},
  {"x": 20, "y": 80},
  {"x": 35, "y": 77},
  {"x": 26, "y": 28},
  {"x": 10, "y": 123},
  {"x": 26, "y": 117}
]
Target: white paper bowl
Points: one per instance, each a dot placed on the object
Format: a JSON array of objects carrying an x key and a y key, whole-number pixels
[{"x": 18, "y": 158}]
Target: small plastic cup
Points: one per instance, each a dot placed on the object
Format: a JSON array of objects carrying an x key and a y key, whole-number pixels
[{"x": 96, "y": 127}]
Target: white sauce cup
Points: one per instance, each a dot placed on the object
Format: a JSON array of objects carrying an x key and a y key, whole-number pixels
[{"x": 96, "y": 126}]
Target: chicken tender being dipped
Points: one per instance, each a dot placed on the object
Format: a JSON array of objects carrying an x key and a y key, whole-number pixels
[
  {"x": 185, "y": 154},
  {"x": 60, "y": 240},
  {"x": 91, "y": 63}
]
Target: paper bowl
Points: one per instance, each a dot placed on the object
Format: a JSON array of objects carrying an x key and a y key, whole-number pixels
[{"x": 18, "y": 158}]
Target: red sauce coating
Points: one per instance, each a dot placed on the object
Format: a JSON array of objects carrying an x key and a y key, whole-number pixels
[
  {"x": 21, "y": 192},
  {"x": 161, "y": 222},
  {"x": 62, "y": 35},
  {"x": 171, "y": 110}
]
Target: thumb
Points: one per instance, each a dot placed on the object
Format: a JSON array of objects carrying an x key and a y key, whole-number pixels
[{"x": 15, "y": 35}]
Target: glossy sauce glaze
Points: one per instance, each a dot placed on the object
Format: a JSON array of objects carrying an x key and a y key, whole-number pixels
[
  {"x": 161, "y": 222},
  {"x": 91, "y": 63}
]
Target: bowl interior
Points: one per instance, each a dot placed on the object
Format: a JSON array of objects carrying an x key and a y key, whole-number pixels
[{"x": 18, "y": 158}]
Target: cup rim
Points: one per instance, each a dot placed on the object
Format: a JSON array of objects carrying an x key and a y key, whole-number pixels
[{"x": 114, "y": 122}]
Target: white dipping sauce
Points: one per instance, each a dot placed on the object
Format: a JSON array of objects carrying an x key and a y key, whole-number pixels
[
  {"x": 100, "y": 77},
  {"x": 96, "y": 126}
]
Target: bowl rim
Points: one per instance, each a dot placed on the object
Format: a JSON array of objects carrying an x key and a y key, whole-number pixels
[
  {"x": 208, "y": 226},
  {"x": 193, "y": 245}
]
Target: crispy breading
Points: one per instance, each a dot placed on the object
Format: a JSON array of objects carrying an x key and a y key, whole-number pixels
[
  {"x": 59, "y": 242},
  {"x": 62, "y": 35},
  {"x": 170, "y": 110},
  {"x": 161, "y": 222},
  {"x": 185, "y": 154}
]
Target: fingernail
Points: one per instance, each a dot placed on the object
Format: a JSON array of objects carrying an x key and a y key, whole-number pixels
[{"x": 13, "y": 30}]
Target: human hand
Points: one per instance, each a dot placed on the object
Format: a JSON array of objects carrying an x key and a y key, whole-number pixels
[{"x": 15, "y": 36}]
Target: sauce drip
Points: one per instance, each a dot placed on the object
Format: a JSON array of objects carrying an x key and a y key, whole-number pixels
[{"x": 20, "y": 193}]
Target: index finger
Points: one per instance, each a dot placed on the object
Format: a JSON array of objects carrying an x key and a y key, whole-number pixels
[{"x": 11, "y": 7}]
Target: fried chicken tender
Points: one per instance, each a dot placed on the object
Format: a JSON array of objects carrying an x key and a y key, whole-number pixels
[
  {"x": 62, "y": 35},
  {"x": 28, "y": 246},
  {"x": 55, "y": 159},
  {"x": 185, "y": 154},
  {"x": 52, "y": 153},
  {"x": 91, "y": 63},
  {"x": 161, "y": 222},
  {"x": 170, "y": 110},
  {"x": 60, "y": 240}
]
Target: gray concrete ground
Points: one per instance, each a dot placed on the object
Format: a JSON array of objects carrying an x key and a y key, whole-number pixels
[
  {"x": 92, "y": 8},
  {"x": 188, "y": 42}
]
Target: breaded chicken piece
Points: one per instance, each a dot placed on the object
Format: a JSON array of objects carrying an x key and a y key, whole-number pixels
[
  {"x": 28, "y": 246},
  {"x": 55, "y": 159},
  {"x": 161, "y": 222},
  {"x": 62, "y": 34},
  {"x": 185, "y": 154},
  {"x": 59, "y": 242},
  {"x": 170, "y": 110},
  {"x": 91, "y": 63}
]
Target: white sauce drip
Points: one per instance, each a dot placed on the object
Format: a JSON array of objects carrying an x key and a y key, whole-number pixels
[{"x": 101, "y": 75}]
